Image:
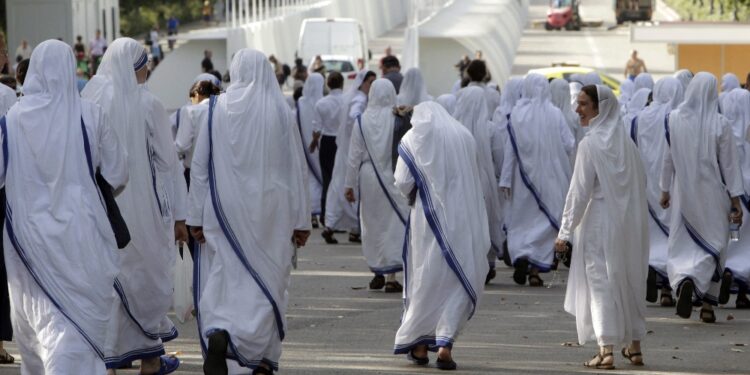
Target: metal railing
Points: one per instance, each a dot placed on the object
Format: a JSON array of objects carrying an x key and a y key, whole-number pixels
[
  {"x": 243, "y": 12},
  {"x": 421, "y": 11}
]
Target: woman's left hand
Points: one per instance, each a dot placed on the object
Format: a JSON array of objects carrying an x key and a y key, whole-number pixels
[{"x": 561, "y": 245}]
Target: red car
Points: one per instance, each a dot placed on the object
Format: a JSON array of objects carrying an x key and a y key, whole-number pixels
[{"x": 563, "y": 13}]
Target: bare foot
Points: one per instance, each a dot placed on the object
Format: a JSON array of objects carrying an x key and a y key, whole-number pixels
[
  {"x": 150, "y": 365},
  {"x": 420, "y": 351},
  {"x": 444, "y": 354}
]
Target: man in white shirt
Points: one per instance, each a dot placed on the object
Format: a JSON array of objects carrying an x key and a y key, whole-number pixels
[
  {"x": 96, "y": 49},
  {"x": 24, "y": 50},
  {"x": 326, "y": 122}
]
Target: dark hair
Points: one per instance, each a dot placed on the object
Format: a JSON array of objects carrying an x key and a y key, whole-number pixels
[
  {"x": 477, "y": 70},
  {"x": 207, "y": 65},
  {"x": 592, "y": 92},
  {"x": 21, "y": 69},
  {"x": 335, "y": 80},
  {"x": 204, "y": 88},
  {"x": 368, "y": 75},
  {"x": 465, "y": 81},
  {"x": 391, "y": 62},
  {"x": 8, "y": 81}
]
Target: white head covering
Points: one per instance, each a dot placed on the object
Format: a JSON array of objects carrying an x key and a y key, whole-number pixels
[
  {"x": 413, "y": 90},
  {"x": 627, "y": 89},
  {"x": 448, "y": 101},
  {"x": 591, "y": 78},
  {"x": 620, "y": 173},
  {"x": 667, "y": 96},
  {"x": 313, "y": 88},
  {"x": 377, "y": 123},
  {"x": 471, "y": 111},
  {"x": 511, "y": 95},
  {"x": 729, "y": 82},
  {"x": 207, "y": 77},
  {"x": 560, "y": 96},
  {"x": 644, "y": 81},
  {"x": 684, "y": 76},
  {"x": 50, "y": 98},
  {"x": 638, "y": 102}
]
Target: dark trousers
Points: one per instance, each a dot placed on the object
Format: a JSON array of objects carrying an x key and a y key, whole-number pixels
[
  {"x": 191, "y": 240},
  {"x": 327, "y": 156}
]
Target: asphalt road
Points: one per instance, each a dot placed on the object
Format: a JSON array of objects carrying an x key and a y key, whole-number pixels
[{"x": 337, "y": 326}]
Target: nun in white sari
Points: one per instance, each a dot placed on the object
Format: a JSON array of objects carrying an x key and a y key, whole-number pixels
[
  {"x": 312, "y": 92},
  {"x": 448, "y": 101},
  {"x": 139, "y": 325},
  {"x": 472, "y": 112},
  {"x": 445, "y": 256},
  {"x": 60, "y": 252},
  {"x": 560, "y": 97},
  {"x": 340, "y": 213},
  {"x": 737, "y": 270},
  {"x": 636, "y": 104},
  {"x": 648, "y": 131},
  {"x": 729, "y": 82},
  {"x": 249, "y": 207},
  {"x": 383, "y": 210},
  {"x": 413, "y": 90},
  {"x": 644, "y": 81},
  {"x": 606, "y": 207},
  {"x": 700, "y": 167},
  {"x": 536, "y": 174}
]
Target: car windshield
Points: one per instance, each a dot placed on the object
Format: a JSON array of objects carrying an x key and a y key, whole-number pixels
[
  {"x": 338, "y": 66},
  {"x": 561, "y": 3}
]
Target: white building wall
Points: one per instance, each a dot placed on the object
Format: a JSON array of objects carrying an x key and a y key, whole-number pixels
[{"x": 39, "y": 20}]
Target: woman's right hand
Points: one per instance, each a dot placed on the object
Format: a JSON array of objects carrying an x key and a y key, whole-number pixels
[{"x": 561, "y": 246}]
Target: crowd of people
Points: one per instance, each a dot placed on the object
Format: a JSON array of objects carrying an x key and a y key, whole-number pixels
[{"x": 636, "y": 194}]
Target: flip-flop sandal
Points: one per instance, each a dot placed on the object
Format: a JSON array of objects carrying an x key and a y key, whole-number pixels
[
  {"x": 725, "y": 288},
  {"x": 168, "y": 365},
  {"x": 742, "y": 302},
  {"x": 598, "y": 365},
  {"x": 490, "y": 275},
  {"x": 448, "y": 365},
  {"x": 6, "y": 358},
  {"x": 667, "y": 300},
  {"x": 535, "y": 281},
  {"x": 629, "y": 356},
  {"x": 419, "y": 361},
  {"x": 260, "y": 370},
  {"x": 708, "y": 316},
  {"x": 685, "y": 300},
  {"x": 522, "y": 268},
  {"x": 216, "y": 361},
  {"x": 393, "y": 287}
]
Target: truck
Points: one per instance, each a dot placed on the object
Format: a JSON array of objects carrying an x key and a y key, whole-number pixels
[
  {"x": 340, "y": 42},
  {"x": 634, "y": 10}
]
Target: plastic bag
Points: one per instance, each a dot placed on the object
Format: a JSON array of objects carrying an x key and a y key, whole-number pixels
[{"x": 182, "y": 301}]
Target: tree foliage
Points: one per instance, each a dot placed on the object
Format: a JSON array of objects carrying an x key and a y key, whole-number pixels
[{"x": 139, "y": 16}]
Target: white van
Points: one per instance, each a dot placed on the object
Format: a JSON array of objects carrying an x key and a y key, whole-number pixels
[{"x": 341, "y": 43}]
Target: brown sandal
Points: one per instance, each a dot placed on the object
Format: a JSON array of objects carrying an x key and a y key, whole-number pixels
[
  {"x": 708, "y": 316},
  {"x": 631, "y": 357},
  {"x": 667, "y": 300},
  {"x": 599, "y": 358},
  {"x": 6, "y": 358},
  {"x": 535, "y": 281}
]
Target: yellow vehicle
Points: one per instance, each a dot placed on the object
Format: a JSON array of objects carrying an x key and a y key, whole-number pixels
[{"x": 565, "y": 71}]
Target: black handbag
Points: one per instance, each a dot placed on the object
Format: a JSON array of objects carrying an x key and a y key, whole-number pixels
[{"x": 119, "y": 227}]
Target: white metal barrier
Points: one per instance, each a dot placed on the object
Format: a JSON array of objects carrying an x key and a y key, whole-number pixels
[{"x": 243, "y": 12}]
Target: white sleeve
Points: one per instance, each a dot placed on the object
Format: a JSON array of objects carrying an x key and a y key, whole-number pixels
[
  {"x": 198, "y": 179},
  {"x": 579, "y": 194},
  {"x": 186, "y": 132},
  {"x": 164, "y": 153},
  {"x": 357, "y": 154},
  {"x": 112, "y": 157},
  {"x": 357, "y": 107},
  {"x": 404, "y": 180},
  {"x": 509, "y": 165},
  {"x": 729, "y": 160}
]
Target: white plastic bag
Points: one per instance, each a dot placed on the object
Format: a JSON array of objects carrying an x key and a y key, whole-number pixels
[{"x": 182, "y": 301}]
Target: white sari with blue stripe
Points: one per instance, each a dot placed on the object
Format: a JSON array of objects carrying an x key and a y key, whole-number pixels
[
  {"x": 446, "y": 245},
  {"x": 249, "y": 193}
]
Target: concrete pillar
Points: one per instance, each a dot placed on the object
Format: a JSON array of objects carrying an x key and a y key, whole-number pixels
[{"x": 255, "y": 11}]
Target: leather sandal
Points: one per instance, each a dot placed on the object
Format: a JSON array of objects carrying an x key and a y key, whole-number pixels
[
  {"x": 708, "y": 316},
  {"x": 630, "y": 357},
  {"x": 535, "y": 281},
  {"x": 598, "y": 364}
]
